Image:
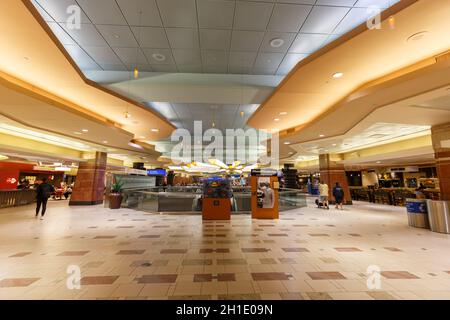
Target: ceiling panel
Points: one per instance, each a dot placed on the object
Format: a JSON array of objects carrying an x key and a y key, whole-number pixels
[
  {"x": 118, "y": 36},
  {"x": 308, "y": 43},
  {"x": 151, "y": 37},
  {"x": 252, "y": 15},
  {"x": 98, "y": 14},
  {"x": 178, "y": 13},
  {"x": 324, "y": 19},
  {"x": 231, "y": 27},
  {"x": 57, "y": 9},
  {"x": 288, "y": 17},
  {"x": 131, "y": 55},
  {"x": 103, "y": 55},
  {"x": 242, "y": 59},
  {"x": 246, "y": 40},
  {"x": 183, "y": 38},
  {"x": 215, "y": 13},
  {"x": 215, "y": 39},
  {"x": 140, "y": 12},
  {"x": 215, "y": 58},
  {"x": 187, "y": 57},
  {"x": 87, "y": 35},
  {"x": 267, "y": 60}
]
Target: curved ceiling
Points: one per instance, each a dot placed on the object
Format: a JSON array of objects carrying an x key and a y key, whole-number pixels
[
  {"x": 38, "y": 59},
  {"x": 363, "y": 55}
]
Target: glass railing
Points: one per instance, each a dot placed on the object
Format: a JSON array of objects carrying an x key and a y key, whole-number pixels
[{"x": 182, "y": 199}]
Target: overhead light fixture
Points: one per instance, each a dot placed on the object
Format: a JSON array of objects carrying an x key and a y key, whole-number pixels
[
  {"x": 276, "y": 119},
  {"x": 159, "y": 57},
  {"x": 136, "y": 73},
  {"x": 276, "y": 43},
  {"x": 338, "y": 75},
  {"x": 154, "y": 130},
  {"x": 105, "y": 142},
  {"x": 85, "y": 130},
  {"x": 242, "y": 114},
  {"x": 378, "y": 162},
  {"x": 2, "y": 157},
  {"x": 283, "y": 113},
  {"x": 391, "y": 22},
  {"x": 291, "y": 153},
  {"x": 213, "y": 124},
  {"x": 287, "y": 142},
  {"x": 116, "y": 36},
  {"x": 334, "y": 144},
  {"x": 77, "y": 133},
  {"x": 321, "y": 135}
]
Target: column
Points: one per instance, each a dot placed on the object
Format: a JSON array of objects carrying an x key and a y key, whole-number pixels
[
  {"x": 441, "y": 143},
  {"x": 90, "y": 183},
  {"x": 332, "y": 172}
]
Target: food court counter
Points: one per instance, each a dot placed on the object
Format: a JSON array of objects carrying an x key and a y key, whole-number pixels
[{"x": 390, "y": 196}]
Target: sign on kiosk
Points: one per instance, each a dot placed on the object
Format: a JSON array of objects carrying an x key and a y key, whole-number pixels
[{"x": 265, "y": 185}]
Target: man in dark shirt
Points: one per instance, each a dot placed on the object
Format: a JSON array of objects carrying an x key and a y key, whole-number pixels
[{"x": 44, "y": 191}]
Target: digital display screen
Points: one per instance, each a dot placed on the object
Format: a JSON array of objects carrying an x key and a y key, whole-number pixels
[{"x": 156, "y": 172}]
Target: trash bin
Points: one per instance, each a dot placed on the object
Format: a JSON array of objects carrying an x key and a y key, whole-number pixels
[
  {"x": 439, "y": 215},
  {"x": 417, "y": 213}
]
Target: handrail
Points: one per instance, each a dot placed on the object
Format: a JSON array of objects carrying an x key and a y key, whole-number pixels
[{"x": 14, "y": 198}]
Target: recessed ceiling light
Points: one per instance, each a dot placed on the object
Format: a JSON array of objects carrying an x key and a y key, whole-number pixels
[
  {"x": 283, "y": 113},
  {"x": 338, "y": 75},
  {"x": 105, "y": 141},
  {"x": 276, "y": 43},
  {"x": 321, "y": 135},
  {"x": 155, "y": 130},
  {"x": 276, "y": 119},
  {"x": 76, "y": 132},
  {"x": 378, "y": 162},
  {"x": 291, "y": 153},
  {"x": 116, "y": 36},
  {"x": 159, "y": 57},
  {"x": 287, "y": 142},
  {"x": 85, "y": 130},
  {"x": 334, "y": 144}
]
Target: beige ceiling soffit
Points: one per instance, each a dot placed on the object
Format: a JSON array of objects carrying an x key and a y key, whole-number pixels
[
  {"x": 49, "y": 98},
  {"x": 91, "y": 83},
  {"x": 416, "y": 71},
  {"x": 343, "y": 39}
]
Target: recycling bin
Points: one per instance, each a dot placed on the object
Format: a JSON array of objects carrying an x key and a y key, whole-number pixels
[{"x": 417, "y": 213}]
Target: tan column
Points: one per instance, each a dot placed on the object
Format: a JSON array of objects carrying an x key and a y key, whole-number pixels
[
  {"x": 332, "y": 172},
  {"x": 90, "y": 184},
  {"x": 441, "y": 143}
]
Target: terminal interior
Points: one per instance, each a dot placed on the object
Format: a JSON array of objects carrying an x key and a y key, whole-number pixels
[{"x": 225, "y": 150}]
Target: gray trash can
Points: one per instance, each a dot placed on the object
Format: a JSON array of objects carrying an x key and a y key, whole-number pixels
[
  {"x": 439, "y": 215},
  {"x": 417, "y": 213}
]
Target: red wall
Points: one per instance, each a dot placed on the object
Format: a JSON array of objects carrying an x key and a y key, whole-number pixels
[{"x": 11, "y": 170}]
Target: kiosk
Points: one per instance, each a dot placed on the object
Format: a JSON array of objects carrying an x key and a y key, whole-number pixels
[
  {"x": 265, "y": 185},
  {"x": 217, "y": 197}
]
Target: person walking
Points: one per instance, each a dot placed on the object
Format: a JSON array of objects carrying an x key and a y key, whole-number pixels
[
  {"x": 338, "y": 193},
  {"x": 44, "y": 191},
  {"x": 323, "y": 194}
]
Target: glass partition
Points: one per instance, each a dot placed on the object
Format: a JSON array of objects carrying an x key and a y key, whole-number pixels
[{"x": 188, "y": 199}]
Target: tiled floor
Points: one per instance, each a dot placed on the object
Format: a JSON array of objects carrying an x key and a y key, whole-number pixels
[{"x": 308, "y": 254}]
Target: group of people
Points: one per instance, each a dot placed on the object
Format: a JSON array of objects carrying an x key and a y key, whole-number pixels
[{"x": 338, "y": 194}]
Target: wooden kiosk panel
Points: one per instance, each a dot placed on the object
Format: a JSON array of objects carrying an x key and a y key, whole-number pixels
[
  {"x": 216, "y": 209},
  {"x": 259, "y": 212}
]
